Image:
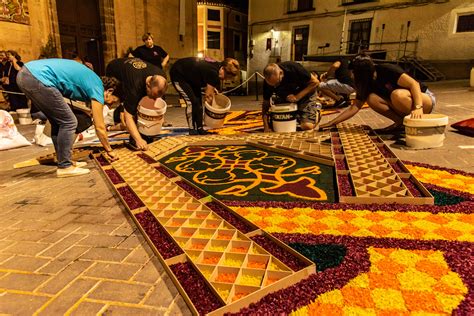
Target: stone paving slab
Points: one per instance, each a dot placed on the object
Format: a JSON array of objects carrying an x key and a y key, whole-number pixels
[{"x": 68, "y": 246}]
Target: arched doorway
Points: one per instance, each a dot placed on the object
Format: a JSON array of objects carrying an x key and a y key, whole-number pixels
[{"x": 80, "y": 31}]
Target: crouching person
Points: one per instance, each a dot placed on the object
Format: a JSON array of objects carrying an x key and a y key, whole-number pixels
[
  {"x": 290, "y": 82},
  {"x": 46, "y": 82}
]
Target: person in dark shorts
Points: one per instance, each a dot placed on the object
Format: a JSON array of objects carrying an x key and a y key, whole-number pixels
[
  {"x": 190, "y": 75},
  {"x": 337, "y": 82},
  {"x": 138, "y": 78},
  {"x": 389, "y": 91},
  {"x": 289, "y": 82},
  {"x": 151, "y": 53}
]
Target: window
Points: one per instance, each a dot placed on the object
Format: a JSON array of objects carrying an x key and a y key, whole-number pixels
[
  {"x": 465, "y": 23},
  {"x": 349, "y": 2},
  {"x": 237, "y": 42},
  {"x": 300, "y": 5},
  {"x": 237, "y": 18},
  {"x": 213, "y": 40},
  {"x": 359, "y": 35},
  {"x": 213, "y": 15}
]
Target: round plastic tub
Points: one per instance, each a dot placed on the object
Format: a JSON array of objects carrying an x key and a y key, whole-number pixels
[
  {"x": 215, "y": 113},
  {"x": 151, "y": 116},
  {"x": 427, "y": 132},
  {"x": 283, "y": 117}
]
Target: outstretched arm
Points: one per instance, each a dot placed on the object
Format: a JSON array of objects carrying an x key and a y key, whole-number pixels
[
  {"x": 100, "y": 130},
  {"x": 347, "y": 114},
  {"x": 133, "y": 130}
]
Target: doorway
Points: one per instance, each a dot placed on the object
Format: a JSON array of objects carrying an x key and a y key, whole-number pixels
[
  {"x": 300, "y": 42},
  {"x": 80, "y": 31}
]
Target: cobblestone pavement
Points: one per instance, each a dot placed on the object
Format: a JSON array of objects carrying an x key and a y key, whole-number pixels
[{"x": 67, "y": 245}]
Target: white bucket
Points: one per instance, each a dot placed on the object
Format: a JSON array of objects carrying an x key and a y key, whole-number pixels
[
  {"x": 24, "y": 116},
  {"x": 150, "y": 115},
  {"x": 214, "y": 114},
  {"x": 283, "y": 117},
  {"x": 427, "y": 132}
]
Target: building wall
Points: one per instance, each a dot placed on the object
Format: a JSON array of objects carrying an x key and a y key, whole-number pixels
[
  {"x": 28, "y": 39},
  {"x": 130, "y": 20},
  {"x": 433, "y": 25}
]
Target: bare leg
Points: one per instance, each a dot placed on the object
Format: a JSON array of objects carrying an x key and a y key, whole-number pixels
[
  {"x": 384, "y": 108},
  {"x": 331, "y": 94},
  {"x": 402, "y": 102}
]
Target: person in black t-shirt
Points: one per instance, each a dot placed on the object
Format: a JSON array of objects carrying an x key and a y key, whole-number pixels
[
  {"x": 290, "y": 82},
  {"x": 190, "y": 75},
  {"x": 389, "y": 91},
  {"x": 139, "y": 79},
  {"x": 336, "y": 81},
  {"x": 151, "y": 53},
  {"x": 10, "y": 70}
]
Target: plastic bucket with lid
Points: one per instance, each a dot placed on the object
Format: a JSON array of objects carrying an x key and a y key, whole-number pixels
[
  {"x": 283, "y": 117},
  {"x": 24, "y": 116},
  {"x": 215, "y": 113},
  {"x": 150, "y": 116},
  {"x": 427, "y": 132}
]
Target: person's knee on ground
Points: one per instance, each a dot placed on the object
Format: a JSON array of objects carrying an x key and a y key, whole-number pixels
[{"x": 307, "y": 125}]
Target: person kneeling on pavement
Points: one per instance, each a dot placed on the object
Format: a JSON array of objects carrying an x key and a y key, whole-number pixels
[
  {"x": 289, "y": 82},
  {"x": 47, "y": 82},
  {"x": 138, "y": 79}
]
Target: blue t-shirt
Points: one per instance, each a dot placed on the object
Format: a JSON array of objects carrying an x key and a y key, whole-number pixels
[{"x": 74, "y": 80}]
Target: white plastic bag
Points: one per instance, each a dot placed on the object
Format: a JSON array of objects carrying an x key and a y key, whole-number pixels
[{"x": 9, "y": 135}]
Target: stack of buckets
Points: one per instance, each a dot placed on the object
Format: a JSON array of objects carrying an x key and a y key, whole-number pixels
[
  {"x": 283, "y": 117},
  {"x": 24, "y": 117},
  {"x": 215, "y": 113},
  {"x": 151, "y": 116}
]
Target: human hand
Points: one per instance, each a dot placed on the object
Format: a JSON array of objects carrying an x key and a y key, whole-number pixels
[
  {"x": 112, "y": 155},
  {"x": 291, "y": 98},
  {"x": 141, "y": 144},
  {"x": 417, "y": 113},
  {"x": 323, "y": 76}
]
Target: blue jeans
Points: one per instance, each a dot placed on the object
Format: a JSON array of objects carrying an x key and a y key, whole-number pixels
[{"x": 50, "y": 101}]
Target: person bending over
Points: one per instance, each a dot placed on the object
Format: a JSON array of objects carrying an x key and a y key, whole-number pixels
[
  {"x": 138, "y": 78},
  {"x": 337, "y": 82},
  {"x": 46, "y": 82},
  {"x": 191, "y": 74},
  {"x": 290, "y": 82},
  {"x": 389, "y": 91}
]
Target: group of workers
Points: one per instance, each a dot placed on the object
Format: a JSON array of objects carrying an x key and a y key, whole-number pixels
[{"x": 386, "y": 88}]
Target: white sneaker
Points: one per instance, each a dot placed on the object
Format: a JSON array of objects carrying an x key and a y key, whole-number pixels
[
  {"x": 79, "y": 164},
  {"x": 71, "y": 172}
]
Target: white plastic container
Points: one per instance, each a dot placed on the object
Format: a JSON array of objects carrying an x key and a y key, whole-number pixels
[
  {"x": 214, "y": 115},
  {"x": 283, "y": 117},
  {"x": 427, "y": 132},
  {"x": 24, "y": 117},
  {"x": 151, "y": 116}
]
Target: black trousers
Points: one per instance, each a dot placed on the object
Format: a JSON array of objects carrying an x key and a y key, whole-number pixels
[{"x": 192, "y": 98}]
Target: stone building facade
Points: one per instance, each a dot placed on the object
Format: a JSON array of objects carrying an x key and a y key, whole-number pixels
[
  {"x": 429, "y": 29},
  {"x": 106, "y": 28}
]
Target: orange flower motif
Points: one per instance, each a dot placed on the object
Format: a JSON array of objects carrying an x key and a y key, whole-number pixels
[
  {"x": 357, "y": 297},
  {"x": 433, "y": 269}
]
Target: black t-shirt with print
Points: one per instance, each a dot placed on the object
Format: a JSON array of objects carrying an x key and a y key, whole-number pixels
[
  {"x": 154, "y": 55},
  {"x": 295, "y": 79},
  {"x": 198, "y": 73},
  {"x": 387, "y": 80},
  {"x": 132, "y": 73},
  {"x": 343, "y": 74}
]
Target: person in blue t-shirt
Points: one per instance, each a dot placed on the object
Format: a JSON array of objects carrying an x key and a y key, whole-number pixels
[{"x": 47, "y": 82}]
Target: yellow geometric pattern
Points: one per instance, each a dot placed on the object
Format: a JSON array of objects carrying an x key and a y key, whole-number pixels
[
  {"x": 443, "y": 178},
  {"x": 400, "y": 282},
  {"x": 363, "y": 223}
]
